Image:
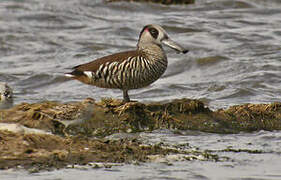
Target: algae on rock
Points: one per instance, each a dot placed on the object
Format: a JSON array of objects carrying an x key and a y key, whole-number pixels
[
  {"x": 112, "y": 116},
  {"x": 74, "y": 131}
]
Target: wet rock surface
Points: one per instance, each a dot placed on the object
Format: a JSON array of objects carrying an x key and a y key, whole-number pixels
[
  {"x": 53, "y": 135},
  {"x": 49, "y": 151}
]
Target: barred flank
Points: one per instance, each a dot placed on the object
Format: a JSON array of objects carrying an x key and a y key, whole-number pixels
[{"x": 132, "y": 73}]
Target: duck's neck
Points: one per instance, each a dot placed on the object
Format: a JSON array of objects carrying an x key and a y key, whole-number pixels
[{"x": 152, "y": 50}]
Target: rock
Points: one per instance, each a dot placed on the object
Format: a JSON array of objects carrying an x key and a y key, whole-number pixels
[
  {"x": 53, "y": 135},
  {"x": 6, "y": 96},
  {"x": 111, "y": 116}
]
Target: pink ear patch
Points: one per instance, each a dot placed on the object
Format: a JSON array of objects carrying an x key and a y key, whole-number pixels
[{"x": 146, "y": 29}]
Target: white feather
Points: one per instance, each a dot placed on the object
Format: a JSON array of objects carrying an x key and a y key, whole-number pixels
[
  {"x": 88, "y": 73},
  {"x": 68, "y": 75}
]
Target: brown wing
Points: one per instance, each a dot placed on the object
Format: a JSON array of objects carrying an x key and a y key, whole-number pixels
[
  {"x": 93, "y": 66},
  {"x": 118, "y": 57}
]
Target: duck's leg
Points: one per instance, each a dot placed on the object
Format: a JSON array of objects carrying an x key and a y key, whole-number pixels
[{"x": 126, "y": 97}]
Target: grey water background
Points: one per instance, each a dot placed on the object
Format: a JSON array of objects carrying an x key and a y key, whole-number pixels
[{"x": 234, "y": 58}]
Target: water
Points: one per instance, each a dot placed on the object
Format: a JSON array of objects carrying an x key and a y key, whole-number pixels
[
  {"x": 234, "y": 58},
  {"x": 39, "y": 41}
]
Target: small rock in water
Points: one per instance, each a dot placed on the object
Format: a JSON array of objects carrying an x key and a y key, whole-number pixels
[{"x": 6, "y": 96}]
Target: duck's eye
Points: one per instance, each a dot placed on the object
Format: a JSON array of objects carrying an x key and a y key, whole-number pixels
[{"x": 154, "y": 32}]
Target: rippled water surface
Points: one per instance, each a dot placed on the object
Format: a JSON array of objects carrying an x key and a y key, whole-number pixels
[{"x": 234, "y": 58}]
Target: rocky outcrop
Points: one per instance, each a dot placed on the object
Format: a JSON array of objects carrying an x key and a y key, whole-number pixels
[{"x": 52, "y": 134}]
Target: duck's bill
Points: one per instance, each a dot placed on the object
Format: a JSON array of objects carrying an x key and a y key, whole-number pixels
[{"x": 174, "y": 45}]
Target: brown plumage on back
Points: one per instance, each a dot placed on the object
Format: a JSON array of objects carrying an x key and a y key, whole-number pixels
[
  {"x": 94, "y": 66},
  {"x": 118, "y": 57},
  {"x": 131, "y": 69}
]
